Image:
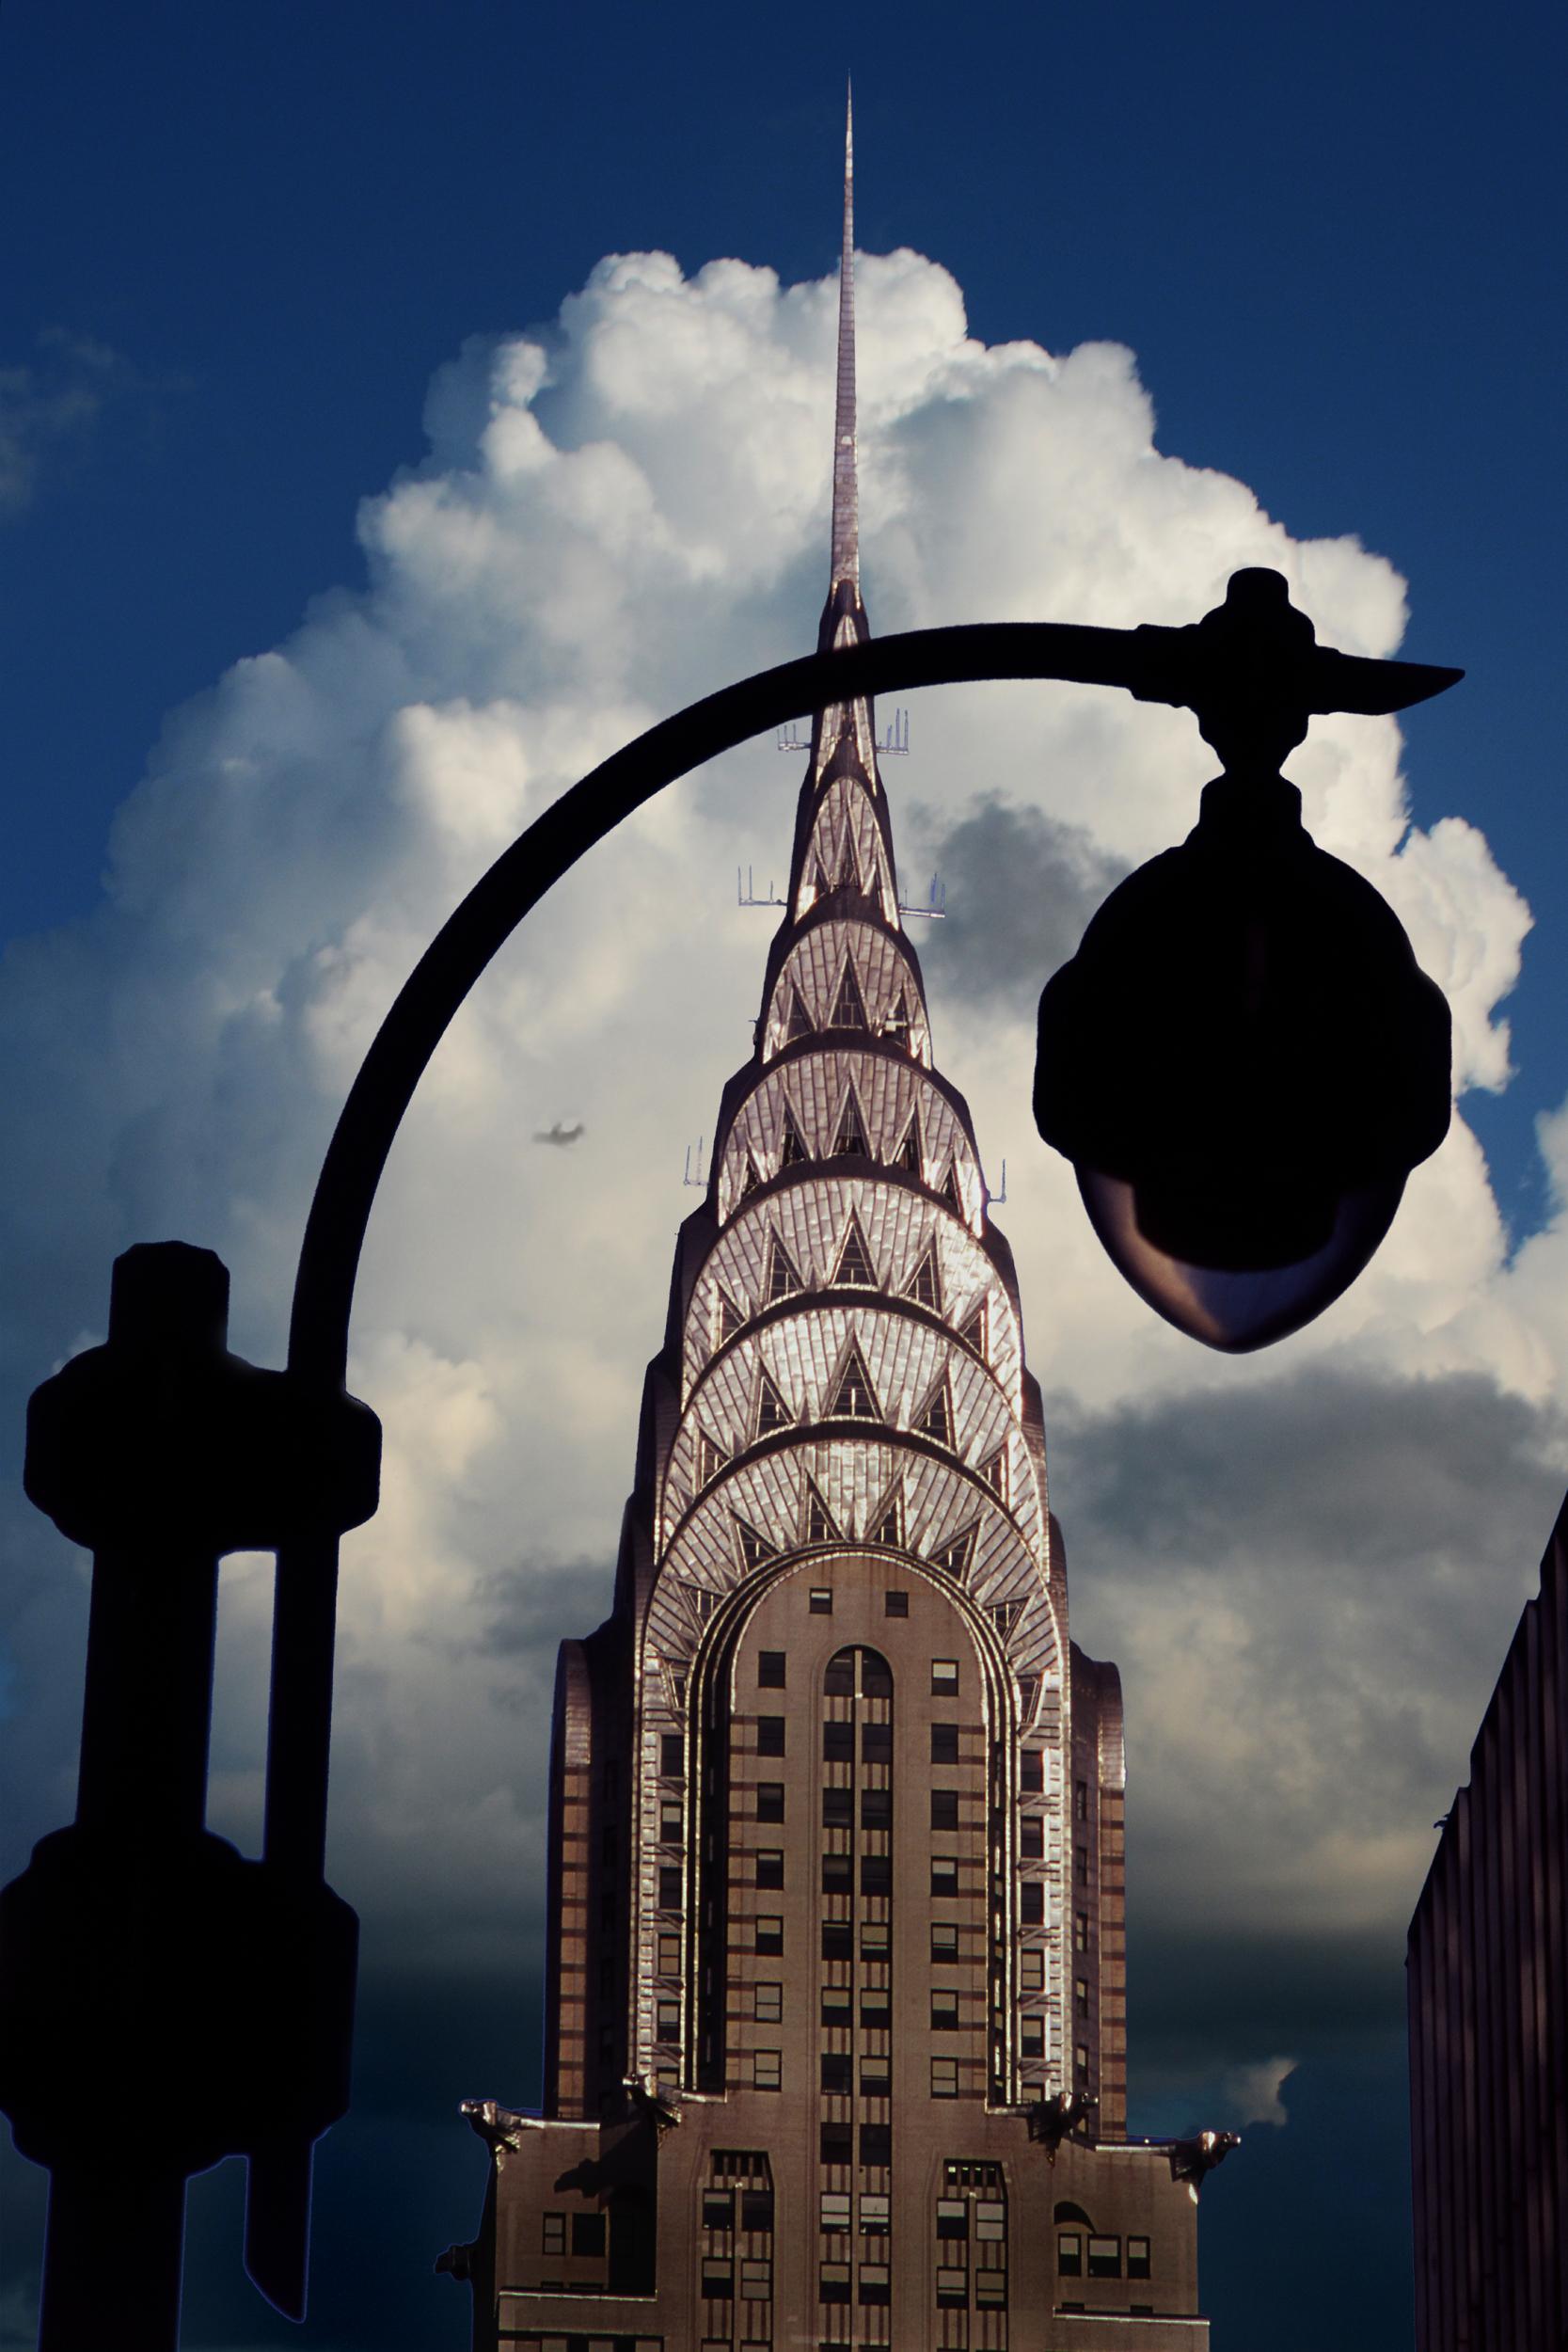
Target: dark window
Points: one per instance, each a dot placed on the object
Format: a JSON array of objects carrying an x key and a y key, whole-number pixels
[
  {"x": 944, "y": 1809},
  {"x": 836, "y": 2073},
  {"x": 944, "y": 1939},
  {"x": 756, "y": 2209},
  {"x": 838, "y": 1809},
  {"x": 669, "y": 2021},
  {"x": 838, "y": 1675},
  {"x": 876, "y": 2009},
  {"x": 1030, "y": 1770},
  {"x": 874, "y": 2283},
  {"x": 876, "y": 1676},
  {"x": 876, "y": 1874},
  {"x": 875, "y": 1808},
  {"x": 770, "y": 1735},
  {"x": 670, "y": 1886},
  {"x": 838, "y": 1940},
  {"x": 944, "y": 1874},
  {"x": 1080, "y": 1865},
  {"x": 837, "y": 2002},
  {"x": 1137, "y": 2258},
  {"x": 896, "y": 1604},
  {"x": 770, "y": 1936},
  {"x": 1033, "y": 1911},
  {"x": 588, "y": 2234},
  {"x": 832, "y": 2284},
  {"x": 944, "y": 1674},
  {"x": 672, "y": 1754},
  {"x": 718, "y": 2209},
  {"x": 876, "y": 1743},
  {"x": 1081, "y": 1996},
  {"x": 770, "y": 1669},
  {"x": 1079, "y": 1799},
  {"x": 718, "y": 2279},
  {"x": 953, "y": 2216},
  {"x": 1104, "y": 2258},
  {"x": 1031, "y": 1837},
  {"x": 952, "y": 2289},
  {"x": 770, "y": 1801},
  {"x": 944, "y": 2010},
  {"x": 876, "y": 2143},
  {"x": 770, "y": 1867},
  {"x": 876, "y": 2079},
  {"x": 944, "y": 1743},
  {"x": 838, "y": 1873},
  {"x": 820, "y": 1603},
  {"x": 838, "y": 1743},
  {"x": 836, "y": 2143},
  {"x": 1069, "y": 2254}
]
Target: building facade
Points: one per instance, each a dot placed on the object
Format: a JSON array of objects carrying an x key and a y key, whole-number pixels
[
  {"x": 835, "y": 2031},
  {"x": 1488, "y": 2005}
]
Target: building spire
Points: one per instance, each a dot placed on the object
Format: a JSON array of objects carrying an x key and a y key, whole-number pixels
[{"x": 845, "y": 547}]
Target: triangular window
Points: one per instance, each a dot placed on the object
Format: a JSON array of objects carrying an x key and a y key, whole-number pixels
[
  {"x": 783, "y": 1280},
  {"x": 854, "y": 1398},
  {"x": 896, "y": 1026},
  {"x": 819, "y": 1519},
  {"x": 956, "y": 1554},
  {"x": 973, "y": 1330},
  {"x": 851, "y": 1129},
  {"x": 800, "y": 1023},
  {"x": 950, "y": 1189},
  {"x": 849, "y": 1005},
  {"x": 993, "y": 1470},
  {"x": 1006, "y": 1614},
  {"x": 887, "y": 1520},
  {"x": 754, "y": 1548},
  {"x": 773, "y": 1408},
  {"x": 849, "y": 870},
  {"x": 908, "y": 1154},
  {"x": 925, "y": 1284},
  {"x": 712, "y": 1457},
  {"x": 730, "y": 1317},
  {"x": 935, "y": 1418},
  {"x": 749, "y": 1181},
  {"x": 854, "y": 1259},
  {"x": 819, "y": 880},
  {"x": 793, "y": 1148}
]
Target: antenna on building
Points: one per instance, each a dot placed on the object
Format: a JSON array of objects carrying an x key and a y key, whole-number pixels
[
  {"x": 936, "y": 904},
  {"x": 791, "y": 738},
  {"x": 996, "y": 1199},
  {"x": 895, "y": 736},
  {"x": 747, "y": 896},
  {"x": 698, "y": 1181}
]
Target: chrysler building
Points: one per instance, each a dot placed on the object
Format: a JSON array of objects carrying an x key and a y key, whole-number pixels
[{"x": 835, "y": 2015}]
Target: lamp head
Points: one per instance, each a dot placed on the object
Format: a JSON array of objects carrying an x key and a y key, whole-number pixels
[{"x": 1244, "y": 1061}]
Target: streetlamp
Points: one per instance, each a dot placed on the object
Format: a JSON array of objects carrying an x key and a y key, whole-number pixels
[{"x": 145, "y": 1965}]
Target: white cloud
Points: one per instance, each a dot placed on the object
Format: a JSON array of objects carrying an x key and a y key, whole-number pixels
[{"x": 619, "y": 513}]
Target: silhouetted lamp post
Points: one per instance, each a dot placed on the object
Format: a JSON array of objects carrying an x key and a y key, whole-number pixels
[{"x": 1243, "y": 1062}]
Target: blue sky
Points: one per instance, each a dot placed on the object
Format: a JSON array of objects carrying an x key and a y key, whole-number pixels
[{"x": 245, "y": 240}]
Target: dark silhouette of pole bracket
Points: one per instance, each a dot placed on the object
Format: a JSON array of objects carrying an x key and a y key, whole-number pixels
[
  {"x": 1244, "y": 1061},
  {"x": 145, "y": 1965},
  {"x": 148, "y": 1970}
]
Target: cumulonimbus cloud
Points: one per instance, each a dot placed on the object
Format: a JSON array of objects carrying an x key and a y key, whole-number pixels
[{"x": 618, "y": 513}]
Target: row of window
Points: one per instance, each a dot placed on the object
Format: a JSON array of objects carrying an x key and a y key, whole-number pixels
[
  {"x": 838, "y": 1943},
  {"x": 876, "y": 1679},
  {"x": 772, "y": 1734},
  {"x": 719, "y": 2208},
  {"x": 1104, "y": 2256}
]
